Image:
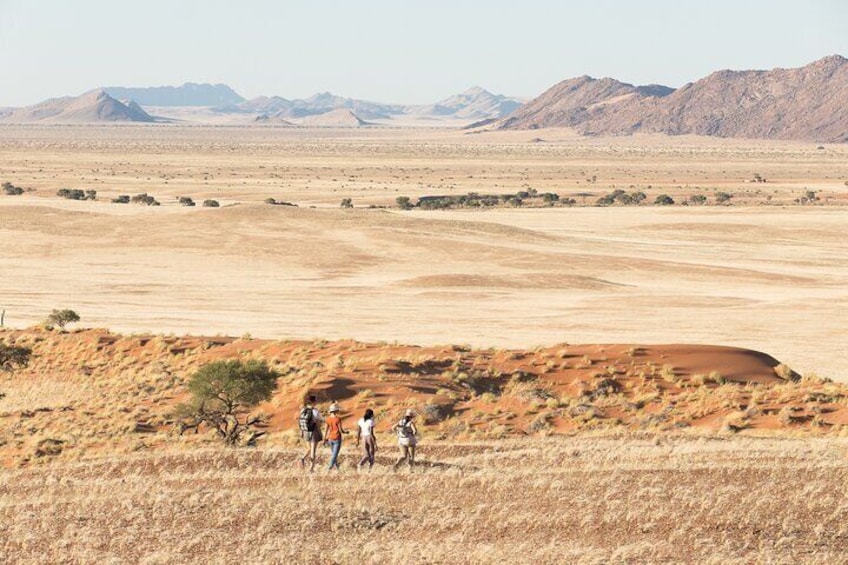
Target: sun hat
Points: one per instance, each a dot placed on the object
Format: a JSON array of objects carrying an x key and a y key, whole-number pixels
[
  {"x": 409, "y": 412},
  {"x": 334, "y": 407}
]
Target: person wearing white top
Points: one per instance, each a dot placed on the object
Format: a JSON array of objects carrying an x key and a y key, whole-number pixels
[
  {"x": 407, "y": 438},
  {"x": 365, "y": 433}
]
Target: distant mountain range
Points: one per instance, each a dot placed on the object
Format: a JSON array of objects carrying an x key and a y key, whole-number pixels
[
  {"x": 189, "y": 94},
  {"x": 473, "y": 104},
  {"x": 277, "y": 107},
  {"x": 324, "y": 109},
  {"x": 807, "y": 103},
  {"x": 93, "y": 106}
]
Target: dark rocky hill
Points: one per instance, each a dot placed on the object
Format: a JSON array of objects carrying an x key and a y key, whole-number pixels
[{"x": 806, "y": 103}]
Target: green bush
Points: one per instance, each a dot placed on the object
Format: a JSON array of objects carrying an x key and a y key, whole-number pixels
[
  {"x": 61, "y": 318},
  {"x": 122, "y": 199},
  {"x": 11, "y": 190},
  {"x": 211, "y": 203},
  {"x": 223, "y": 392},
  {"x": 145, "y": 199},
  {"x": 71, "y": 193},
  {"x": 664, "y": 200}
]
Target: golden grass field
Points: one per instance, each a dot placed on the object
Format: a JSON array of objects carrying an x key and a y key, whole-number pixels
[
  {"x": 733, "y": 472},
  {"x": 587, "y": 499}
]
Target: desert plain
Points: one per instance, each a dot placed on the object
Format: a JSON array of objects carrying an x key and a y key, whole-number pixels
[{"x": 544, "y": 462}]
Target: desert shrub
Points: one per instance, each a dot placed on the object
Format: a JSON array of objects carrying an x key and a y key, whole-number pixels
[
  {"x": 122, "y": 199},
  {"x": 211, "y": 204},
  {"x": 71, "y": 193},
  {"x": 11, "y": 190},
  {"x": 145, "y": 199},
  {"x": 663, "y": 200},
  {"x": 186, "y": 201},
  {"x": 403, "y": 203},
  {"x": 223, "y": 392},
  {"x": 697, "y": 199},
  {"x": 808, "y": 197},
  {"x": 347, "y": 203},
  {"x": 91, "y": 195},
  {"x": 49, "y": 447},
  {"x": 619, "y": 196},
  {"x": 275, "y": 202},
  {"x": 61, "y": 318},
  {"x": 550, "y": 197},
  {"x": 638, "y": 197},
  {"x": 434, "y": 412},
  {"x": 785, "y": 372},
  {"x": 540, "y": 423},
  {"x": 722, "y": 197},
  {"x": 12, "y": 357}
]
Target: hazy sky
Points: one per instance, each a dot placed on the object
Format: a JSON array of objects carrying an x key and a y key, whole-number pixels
[{"x": 398, "y": 50}]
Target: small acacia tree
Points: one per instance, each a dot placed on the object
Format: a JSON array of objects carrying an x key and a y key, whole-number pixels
[
  {"x": 12, "y": 357},
  {"x": 62, "y": 318},
  {"x": 223, "y": 392}
]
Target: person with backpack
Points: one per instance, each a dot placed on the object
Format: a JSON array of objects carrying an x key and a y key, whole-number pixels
[
  {"x": 406, "y": 433},
  {"x": 365, "y": 433},
  {"x": 333, "y": 432},
  {"x": 309, "y": 422}
]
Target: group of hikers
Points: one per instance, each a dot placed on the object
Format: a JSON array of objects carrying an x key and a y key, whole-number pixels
[{"x": 310, "y": 423}]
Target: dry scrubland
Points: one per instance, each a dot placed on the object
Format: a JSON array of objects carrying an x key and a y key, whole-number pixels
[
  {"x": 588, "y": 499},
  {"x": 319, "y": 166},
  {"x": 755, "y": 274},
  {"x": 653, "y": 462}
]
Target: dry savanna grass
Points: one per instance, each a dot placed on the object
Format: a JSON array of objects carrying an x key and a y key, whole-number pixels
[{"x": 593, "y": 498}]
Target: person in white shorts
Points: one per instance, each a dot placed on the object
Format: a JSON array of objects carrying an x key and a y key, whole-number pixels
[
  {"x": 407, "y": 438},
  {"x": 365, "y": 433}
]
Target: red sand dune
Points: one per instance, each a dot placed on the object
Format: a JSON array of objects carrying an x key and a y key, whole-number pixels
[{"x": 457, "y": 391}]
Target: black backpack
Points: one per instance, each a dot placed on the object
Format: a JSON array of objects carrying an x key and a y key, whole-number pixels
[
  {"x": 404, "y": 428},
  {"x": 306, "y": 421}
]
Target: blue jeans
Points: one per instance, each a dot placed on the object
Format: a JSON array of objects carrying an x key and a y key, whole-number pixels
[{"x": 335, "y": 447}]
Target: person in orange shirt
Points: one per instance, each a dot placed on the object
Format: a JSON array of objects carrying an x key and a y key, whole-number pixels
[{"x": 333, "y": 433}]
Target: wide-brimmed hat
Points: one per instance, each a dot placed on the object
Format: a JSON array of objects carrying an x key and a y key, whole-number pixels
[
  {"x": 334, "y": 407},
  {"x": 409, "y": 413}
]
